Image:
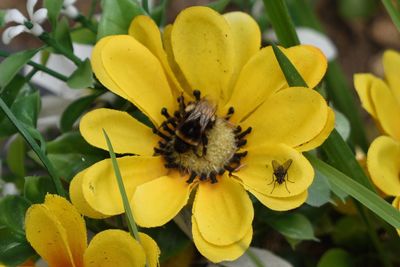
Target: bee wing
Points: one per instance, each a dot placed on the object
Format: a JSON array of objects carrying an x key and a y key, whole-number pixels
[
  {"x": 287, "y": 164},
  {"x": 275, "y": 165}
]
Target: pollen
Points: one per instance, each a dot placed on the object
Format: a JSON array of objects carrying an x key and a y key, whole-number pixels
[{"x": 201, "y": 145}]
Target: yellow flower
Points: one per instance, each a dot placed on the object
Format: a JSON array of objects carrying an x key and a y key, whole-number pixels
[
  {"x": 382, "y": 100},
  {"x": 58, "y": 234},
  {"x": 235, "y": 124}
]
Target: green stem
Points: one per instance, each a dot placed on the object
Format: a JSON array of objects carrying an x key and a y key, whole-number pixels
[
  {"x": 32, "y": 143},
  {"x": 393, "y": 13},
  {"x": 278, "y": 14},
  {"x": 45, "y": 37},
  {"x": 86, "y": 23},
  {"x": 40, "y": 67}
]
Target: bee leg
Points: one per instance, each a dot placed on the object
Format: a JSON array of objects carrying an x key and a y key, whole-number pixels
[
  {"x": 241, "y": 143},
  {"x": 213, "y": 177},
  {"x": 197, "y": 94},
  {"x": 286, "y": 187},
  {"x": 229, "y": 114},
  {"x": 162, "y": 135},
  {"x": 191, "y": 177},
  {"x": 244, "y": 133}
]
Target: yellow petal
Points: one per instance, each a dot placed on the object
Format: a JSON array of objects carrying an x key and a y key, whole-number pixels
[
  {"x": 151, "y": 249},
  {"x": 157, "y": 202},
  {"x": 112, "y": 248},
  {"x": 262, "y": 76},
  {"x": 396, "y": 205},
  {"x": 363, "y": 84},
  {"x": 77, "y": 197},
  {"x": 383, "y": 162},
  {"x": 202, "y": 45},
  {"x": 246, "y": 41},
  {"x": 100, "y": 71},
  {"x": 99, "y": 187},
  {"x": 47, "y": 236},
  {"x": 322, "y": 136},
  {"x": 127, "y": 135},
  {"x": 73, "y": 224},
  {"x": 223, "y": 211},
  {"x": 292, "y": 116},
  {"x": 281, "y": 203},
  {"x": 257, "y": 171},
  {"x": 391, "y": 63},
  {"x": 137, "y": 72},
  {"x": 171, "y": 60},
  {"x": 216, "y": 253},
  {"x": 147, "y": 33},
  {"x": 387, "y": 108}
]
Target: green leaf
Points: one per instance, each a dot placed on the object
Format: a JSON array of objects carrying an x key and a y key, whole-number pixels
[
  {"x": 29, "y": 139},
  {"x": 16, "y": 156},
  {"x": 14, "y": 248},
  {"x": 342, "y": 125},
  {"x": 350, "y": 232},
  {"x": 365, "y": 196},
  {"x": 72, "y": 142},
  {"x": 295, "y": 226},
  {"x": 36, "y": 188},
  {"x": 83, "y": 36},
  {"x": 62, "y": 35},
  {"x": 319, "y": 193},
  {"x": 68, "y": 164},
  {"x": 356, "y": 9},
  {"x": 117, "y": 16},
  {"x": 336, "y": 257},
  {"x": 219, "y": 5},
  {"x": 292, "y": 76},
  {"x": 26, "y": 109},
  {"x": 10, "y": 66},
  {"x": 54, "y": 8},
  {"x": 74, "y": 111},
  {"x": 82, "y": 76},
  {"x": 170, "y": 239},
  {"x": 11, "y": 91}
]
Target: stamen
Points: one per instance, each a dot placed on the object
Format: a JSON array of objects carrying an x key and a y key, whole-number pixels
[
  {"x": 203, "y": 177},
  {"x": 165, "y": 113},
  {"x": 166, "y": 128},
  {"x": 241, "y": 142},
  {"x": 238, "y": 130},
  {"x": 229, "y": 114},
  {"x": 160, "y": 134},
  {"x": 197, "y": 94},
  {"x": 191, "y": 178},
  {"x": 213, "y": 177},
  {"x": 244, "y": 133}
]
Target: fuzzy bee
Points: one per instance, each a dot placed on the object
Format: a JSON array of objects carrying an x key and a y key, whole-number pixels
[
  {"x": 280, "y": 173},
  {"x": 197, "y": 117}
]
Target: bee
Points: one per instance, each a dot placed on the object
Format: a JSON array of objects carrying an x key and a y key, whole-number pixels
[
  {"x": 197, "y": 117},
  {"x": 280, "y": 173}
]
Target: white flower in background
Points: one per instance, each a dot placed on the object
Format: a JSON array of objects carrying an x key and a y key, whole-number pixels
[
  {"x": 30, "y": 25},
  {"x": 69, "y": 9}
]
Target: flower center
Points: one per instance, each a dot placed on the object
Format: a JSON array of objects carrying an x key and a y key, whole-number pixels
[{"x": 198, "y": 143}]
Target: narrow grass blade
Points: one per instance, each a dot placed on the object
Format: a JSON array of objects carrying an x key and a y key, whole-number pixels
[
  {"x": 32, "y": 143},
  {"x": 393, "y": 12},
  {"x": 365, "y": 196}
]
